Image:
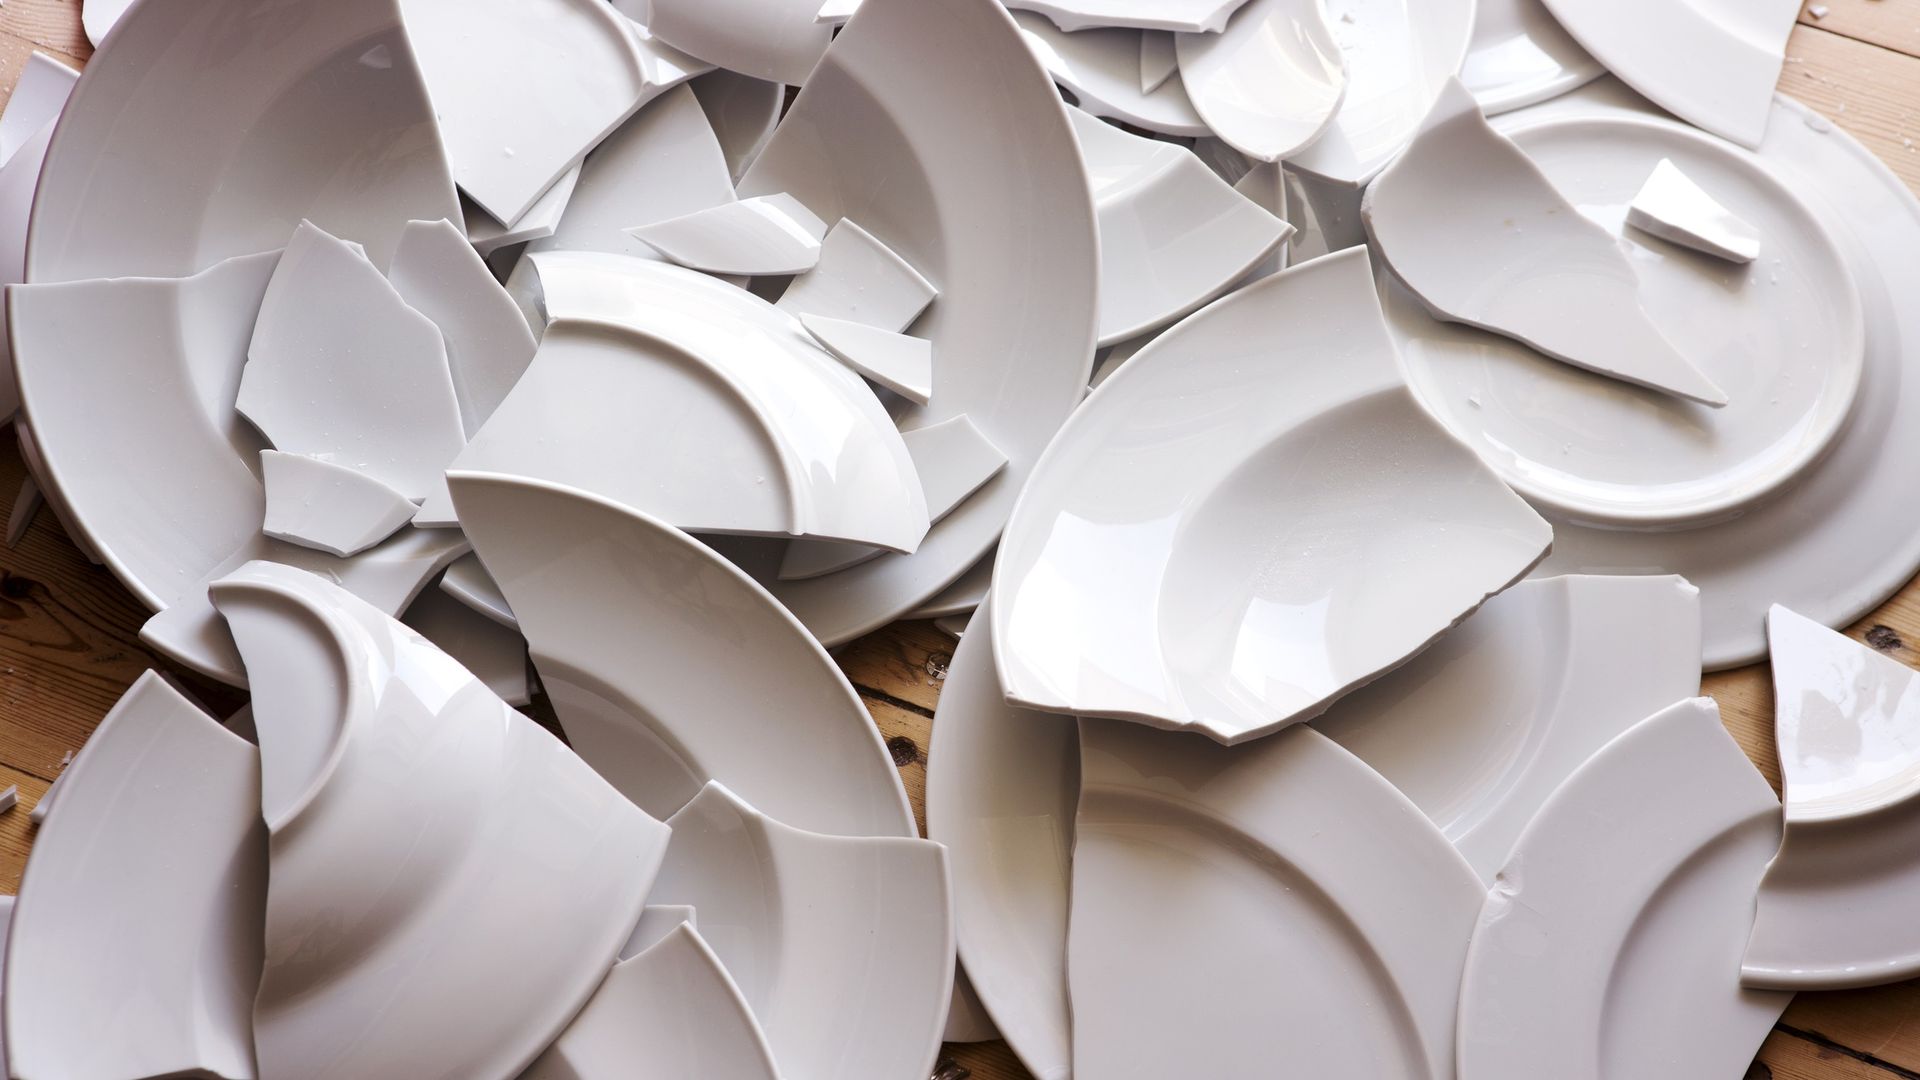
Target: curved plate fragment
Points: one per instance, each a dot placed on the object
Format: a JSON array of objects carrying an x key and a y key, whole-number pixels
[
  {"x": 776, "y": 40},
  {"x": 899, "y": 362},
  {"x": 1271, "y": 82},
  {"x": 743, "y": 111},
  {"x": 315, "y": 503},
  {"x": 1674, "y": 208},
  {"x": 539, "y": 222},
  {"x": 489, "y": 345},
  {"x": 1521, "y": 56},
  {"x": 859, "y": 279},
  {"x": 1101, "y": 68},
  {"x": 494, "y": 654},
  {"x": 1189, "y": 16},
  {"x": 770, "y": 234},
  {"x": 467, "y": 581}
]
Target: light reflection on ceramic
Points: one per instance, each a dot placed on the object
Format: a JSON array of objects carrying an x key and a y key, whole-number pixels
[
  {"x": 494, "y": 654},
  {"x": 900, "y": 363},
  {"x": 763, "y": 39},
  {"x": 1312, "y": 527},
  {"x": 1271, "y": 82},
  {"x": 1674, "y": 208},
  {"x": 743, "y": 112},
  {"x": 1628, "y": 893},
  {"x": 1101, "y": 69},
  {"x": 1520, "y": 55},
  {"x": 316, "y": 503},
  {"x": 860, "y": 279},
  {"x": 772, "y": 234},
  {"x": 489, "y": 344},
  {"x": 1192, "y": 16}
]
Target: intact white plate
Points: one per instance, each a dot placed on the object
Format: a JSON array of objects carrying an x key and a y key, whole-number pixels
[
  {"x": 1849, "y": 535},
  {"x": 1521, "y": 55},
  {"x": 1242, "y": 910},
  {"x": 1610, "y": 944},
  {"x": 1101, "y": 69}
]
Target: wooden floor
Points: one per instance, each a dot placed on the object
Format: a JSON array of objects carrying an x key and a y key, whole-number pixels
[{"x": 69, "y": 633}]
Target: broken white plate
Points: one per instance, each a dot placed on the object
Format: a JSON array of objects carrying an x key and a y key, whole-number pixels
[
  {"x": 1101, "y": 68},
  {"x": 1846, "y": 538},
  {"x": 1479, "y": 233},
  {"x": 622, "y": 612},
  {"x": 1836, "y": 904},
  {"x": 670, "y": 1011},
  {"x": 995, "y": 210},
  {"x": 1481, "y": 728},
  {"x": 489, "y": 345},
  {"x": 777, "y": 40},
  {"x": 523, "y": 89},
  {"x": 1398, "y": 54},
  {"x": 539, "y": 222},
  {"x": 18, "y": 179},
  {"x": 698, "y": 403},
  {"x": 36, "y": 101},
  {"x": 967, "y": 593},
  {"x": 1159, "y": 59},
  {"x": 467, "y": 581},
  {"x": 841, "y": 945},
  {"x": 1172, "y": 234},
  {"x": 1674, "y": 208},
  {"x": 1714, "y": 63},
  {"x": 899, "y": 362},
  {"x": 299, "y": 113},
  {"x": 771, "y": 234},
  {"x": 332, "y": 508},
  {"x": 363, "y": 724},
  {"x": 1271, "y": 83},
  {"x": 859, "y": 279},
  {"x": 1628, "y": 892},
  {"x": 1322, "y": 919},
  {"x": 494, "y": 654},
  {"x": 1191, "y": 16},
  {"x": 836, "y": 12},
  {"x": 98, "y": 16},
  {"x": 141, "y": 903},
  {"x": 1140, "y": 578},
  {"x": 340, "y": 367},
  {"x": 1521, "y": 55},
  {"x": 743, "y": 111}
]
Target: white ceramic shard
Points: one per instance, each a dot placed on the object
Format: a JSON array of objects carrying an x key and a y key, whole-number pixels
[
  {"x": 18, "y": 180},
  {"x": 773, "y": 234},
  {"x": 900, "y": 362},
  {"x": 778, "y": 40},
  {"x": 743, "y": 111},
  {"x": 489, "y": 345},
  {"x": 1714, "y": 63},
  {"x": 494, "y": 654},
  {"x": 315, "y": 503},
  {"x": 1836, "y": 904},
  {"x": 539, "y": 222},
  {"x": 966, "y": 593},
  {"x": 1481, "y": 728},
  {"x": 98, "y": 16},
  {"x": 656, "y": 922},
  {"x": 954, "y": 626},
  {"x": 1271, "y": 82},
  {"x": 523, "y": 90},
  {"x": 26, "y": 505},
  {"x": 340, "y": 367},
  {"x": 1172, "y": 234},
  {"x": 1520, "y": 55},
  {"x": 1482, "y": 237},
  {"x": 668, "y": 1011},
  {"x": 1248, "y": 520},
  {"x": 1322, "y": 919},
  {"x": 1189, "y": 16},
  {"x": 1158, "y": 59},
  {"x": 859, "y": 279},
  {"x": 300, "y": 113},
  {"x": 698, "y": 403},
  {"x": 382, "y": 963},
  {"x": 662, "y": 65},
  {"x": 1101, "y": 68},
  {"x": 1629, "y": 891},
  {"x": 953, "y": 461},
  {"x": 662, "y": 607},
  {"x": 37, "y": 100},
  {"x": 836, "y": 12},
  {"x": 841, "y": 945},
  {"x": 1672, "y": 207},
  {"x": 142, "y": 902},
  {"x": 38, "y": 815},
  {"x": 467, "y": 581}
]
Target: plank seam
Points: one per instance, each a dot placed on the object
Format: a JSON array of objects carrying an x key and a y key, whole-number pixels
[{"x": 1861, "y": 1056}]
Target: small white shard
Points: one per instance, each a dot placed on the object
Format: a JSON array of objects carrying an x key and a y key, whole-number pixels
[
  {"x": 656, "y": 922},
  {"x": 836, "y": 12},
  {"x": 539, "y": 222},
  {"x": 36, "y": 101},
  {"x": 1674, "y": 208},
  {"x": 26, "y": 503},
  {"x": 45, "y": 806},
  {"x": 767, "y": 234},
  {"x": 332, "y": 508},
  {"x": 467, "y": 581},
  {"x": 1158, "y": 59},
  {"x": 489, "y": 345},
  {"x": 954, "y": 626},
  {"x": 900, "y": 363},
  {"x": 860, "y": 279},
  {"x": 1818, "y": 11},
  {"x": 9, "y": 798}
]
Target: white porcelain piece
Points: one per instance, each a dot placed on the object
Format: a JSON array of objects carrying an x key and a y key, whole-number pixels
[
  {"x": 6, "y": 919},
  {"x": 494, "y": 654},
  {"x": 1674, "y": 208},
  {"x": 300, "y": 112},
  {"x": 772, "y": 234},
  {"x": 955, "y": 148},
  {"x": 1481, "y": 728},
  {"x": 26, "y": 505},
  {"x": 1520, "y": 55},
  {"x": 18, "y": 180},
  {"x": 401, "y": 952},
  {"x": 1172, "y": 234},
  {"x": 1835, "y": 904},
  {"x": 841, "y": 945},
  {"x": 1158, "y": 59},
  {"x": 1140, "y": 576},
  {"x": 539, "y": 222},
  {"x": 1713, "y": 64},
  {"x": 1629, "y": 891},
  {"x": 656, "y": 922},
  {"x": 899, "y": 362},
  {"x": 699, "y": 403},
  {"x": 743, "y": 111},
  {"x": 836, "y": 12},
  {"x": 1101, "y": 68},
  {"x": 489, "y": 345},
  {"x": 954, "y": 626},
  {"x": 37, "y": 100},
  {"x": 1399, "y": 54},
  {"x": 859, "y": 279},
  {"x": 967, "y": 593},
  {"x": 316, "y": 503},
  {"x": 669, "y": 1011},
  {"x": 661, "y": 64},
  {"x": 523, "y": 90},
  {"x": 467, "y": 581},
  {"x": 1265, "y": 186},
  {"x": 621, "y": 612},
  {"x": 162, "y": 805},
  {"x": 765, "y": 39},
  {"x": 1480, "y": 234},
  {"x": 1191, "y": 16},
  {"x": 1321, "y": 920},
  {"x": 953, "y": 460},
  {"x": 1271, "y": 82},
  {"x": 98, "y": 16}
]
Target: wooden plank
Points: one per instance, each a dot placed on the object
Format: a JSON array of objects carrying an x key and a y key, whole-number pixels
[
  {"x": 1870, "y": 92},
  {"x": 981, "y": 1061},
  {"x": 906, "y": 733},
  {"x": 1886, "y": 23},
  {"x": 53, "y": 25},
  {"x": 1883, "y": 1022},
  {"x": 1785, "y": 1056},
  {"x": 906, "y": 662}
]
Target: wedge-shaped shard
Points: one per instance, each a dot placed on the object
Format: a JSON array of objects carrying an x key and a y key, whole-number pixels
[
  {"x": 743, "y": 111},
  {"x": 1272, "y": 82},
  {"x": 467, "y": 581},
  {"x": 625, "y": 689},
  {"x": 402, "y": 952},
  {"x": 778, "y": 40},
  {"x": 1159, "y": 60},
  {"x": 859, "y": 279},
  {"x": 18, "y": 180},
  {"x": 1482, "y": 237},
  {"x": 495, "y": 654},
  {"x": 1836, "y": 905},
  {"x": 656, "y": 922},
  {"x": 539, "y": 222},
  {"x": 1672, "y": 207},
  {"x": 142, "y": 903},
  {"x": 771, "y": 234},
  {"x": 1250, "y": 518},
  {"x": 489, "y": 345},
  {"x": 98, "y": 16},
  {"x": 37, "y": 99},
  {"x": 1630, "y": 890},
  {"x": 315, "y": 503},
  {"x": 787, "y": 910},
  {"x": 899, "y": 362},
  {"x": 1191, "y": 16},
  {"x": 1101, "y": 68}
]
